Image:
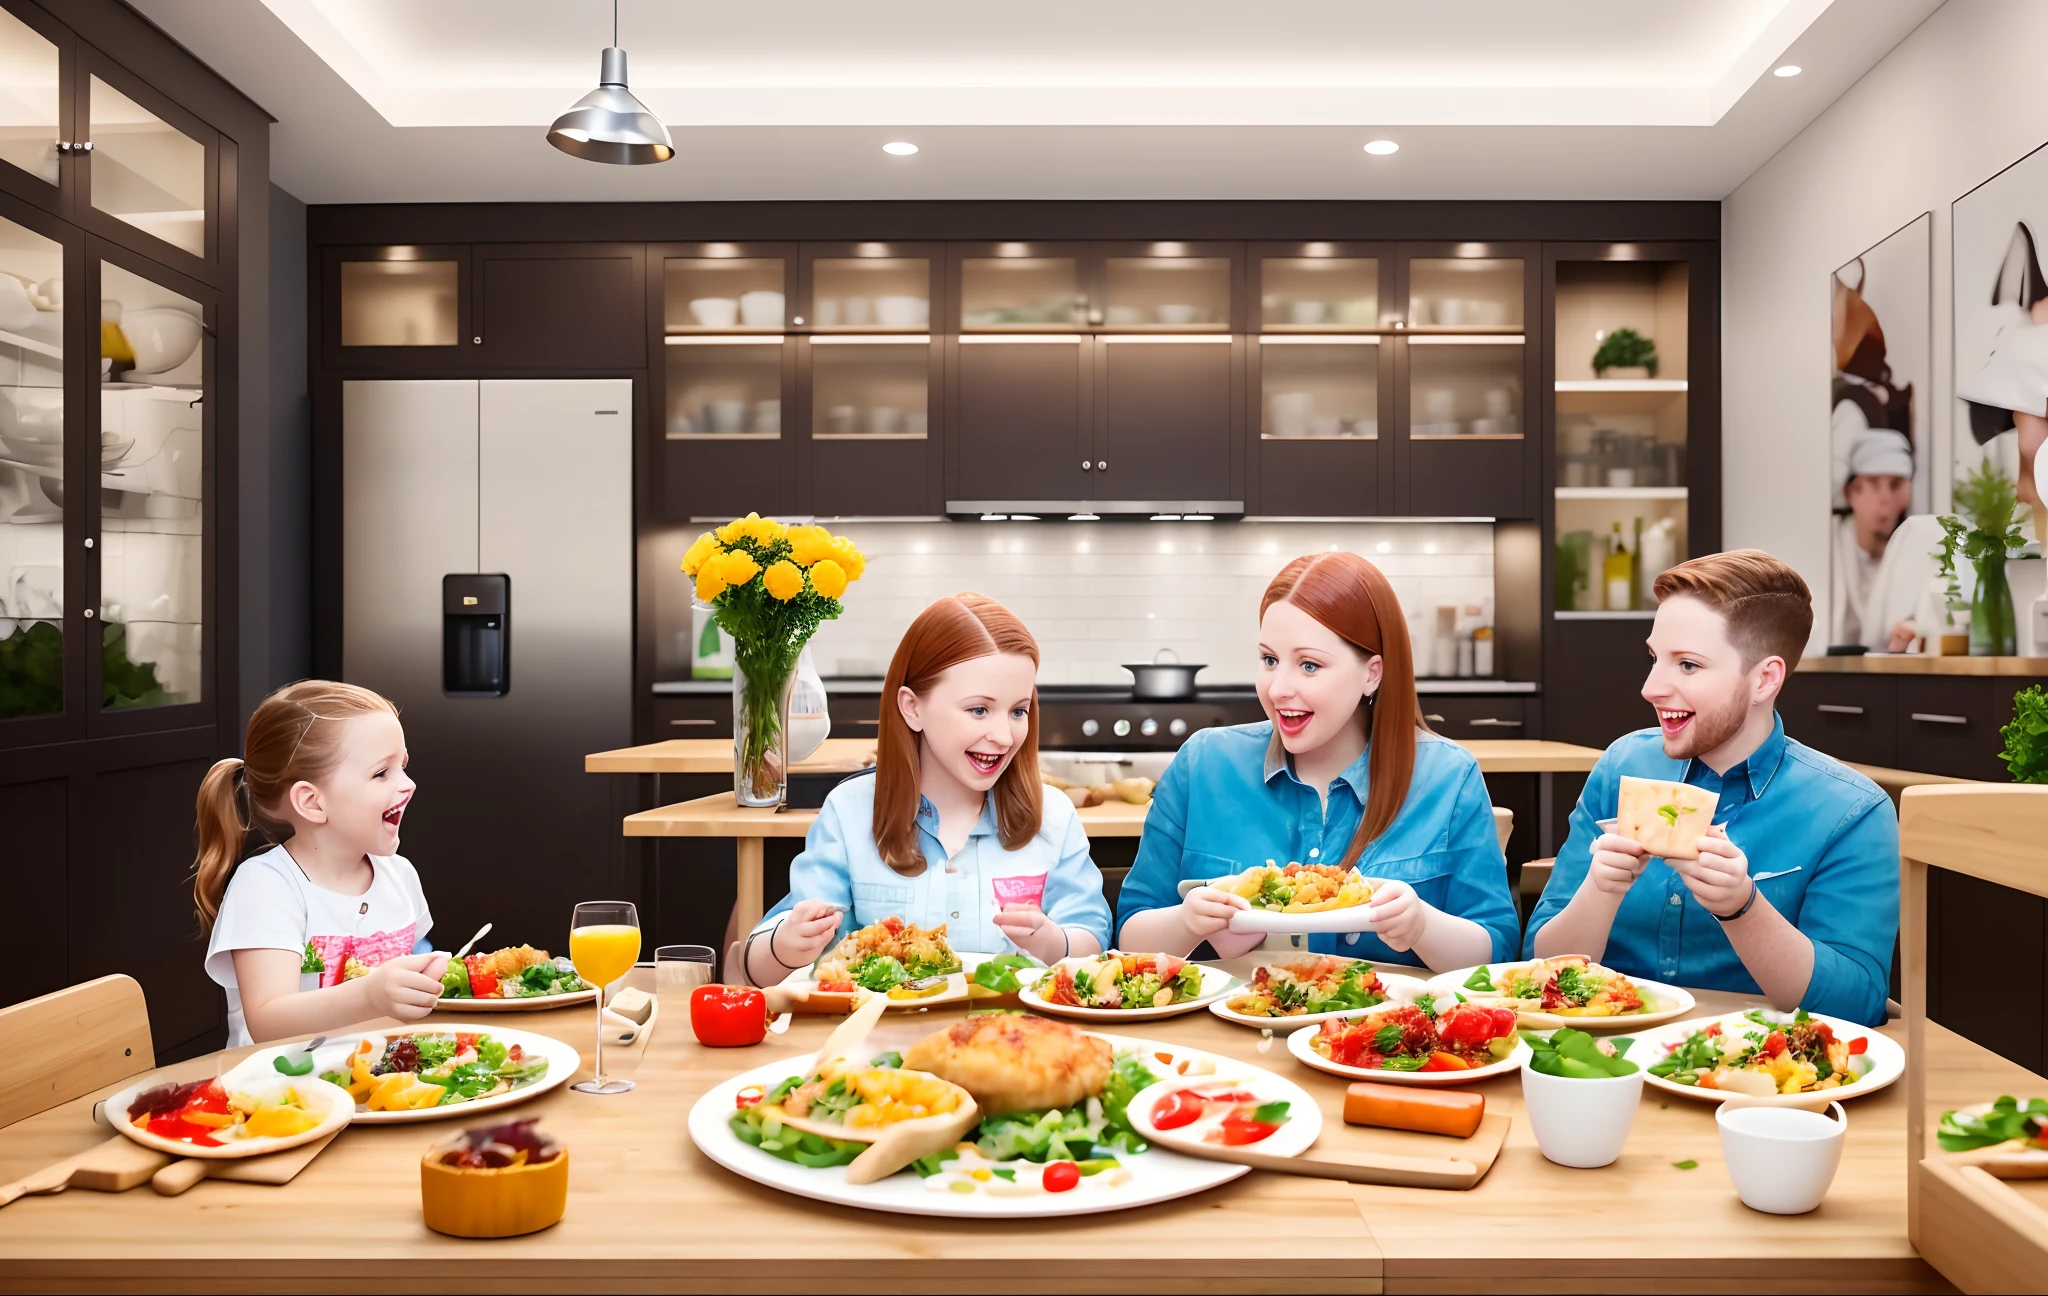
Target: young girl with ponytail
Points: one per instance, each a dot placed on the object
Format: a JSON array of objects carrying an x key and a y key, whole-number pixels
[
  {"x": 1344, "y": 772},
  {"x": 953, "y": 827},
  {"x": 322, "y": 779}
]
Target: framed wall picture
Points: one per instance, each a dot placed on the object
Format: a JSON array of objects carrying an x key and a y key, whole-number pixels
[
  {"x": 2001, "y": 327},
  {"x": 1881, "y": 457}
]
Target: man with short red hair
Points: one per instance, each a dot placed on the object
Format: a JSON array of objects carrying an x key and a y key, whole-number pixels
[{"x": 1795, "y": 894}]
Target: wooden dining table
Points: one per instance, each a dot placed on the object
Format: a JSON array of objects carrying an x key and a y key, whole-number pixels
[{"x": 649, "y": 1212}]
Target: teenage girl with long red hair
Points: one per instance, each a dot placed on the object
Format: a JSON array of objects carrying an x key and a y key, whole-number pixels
[
  {"x": 1343, "y": 772},
  {"x": 953, "y": 825}
]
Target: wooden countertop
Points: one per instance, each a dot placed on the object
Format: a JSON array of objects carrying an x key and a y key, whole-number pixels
[
  {"x": 714, "y": 756},
  {"x": 647, "y": 1211},
  {"x": 1922, "y": 664},
  {"x": 718, "y": 815}
]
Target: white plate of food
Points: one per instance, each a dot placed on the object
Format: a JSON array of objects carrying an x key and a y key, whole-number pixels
[
  {"x": 1779, "y": 1059},
  {"x": 219, "y": 1118},
  {"x": 911, "y": 966},
  {"x": 393, "y": 1074},
  {"x": 1463, "y": 1044},
  {"x": 1094, "y": 987},
  {"x": 1566, "y": 990},
  {"x": 518, "y": 978},
  {"x": 1312, "y": 989},
  {"x": 1018, "y": 1069},
  {"x": 1292, "y": 899},
  {"x": 2008, "y": 1139}
]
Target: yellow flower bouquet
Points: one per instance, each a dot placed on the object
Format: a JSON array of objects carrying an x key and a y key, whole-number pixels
[{"x": 770, "y": 586}]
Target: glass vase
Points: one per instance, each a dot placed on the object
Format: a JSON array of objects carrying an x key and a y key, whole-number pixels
[
  {"x": 761, "y": 682},
  {"x": 1994, "y": 629}
]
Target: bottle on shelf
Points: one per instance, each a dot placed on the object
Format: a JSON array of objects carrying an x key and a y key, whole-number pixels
[{"x": 1619, "y": 572}]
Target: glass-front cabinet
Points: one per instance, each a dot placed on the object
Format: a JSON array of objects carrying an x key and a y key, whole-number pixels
[
  {"x": 33, "y": 459},
  {"x": 1622, "y": 405},
  {"x": 725, "y": 382},
  {"x": 1466, "y": 374}
]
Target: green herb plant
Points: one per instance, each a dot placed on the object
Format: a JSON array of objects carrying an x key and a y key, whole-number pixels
[
  {"x": 2026, "y": 738},
  {"x": 1576, "y": 1055},
  {"x": 1981, "y": 526},
  {"x": 1625, "y": 348}
]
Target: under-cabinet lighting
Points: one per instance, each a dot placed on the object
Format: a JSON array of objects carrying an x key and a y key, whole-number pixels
[
  {"x": 1198, "y": 517},
  {"x": 995, "y": 517},
  {"x": 1166, "y": 517},
  {"x": 1023, "y": 517},
  {"x": 899, "y": 148},
  {"x": 1380, "y": 148},
  {"x": 1084, "y": 517},
  {"x": 1788, "y": 70}
]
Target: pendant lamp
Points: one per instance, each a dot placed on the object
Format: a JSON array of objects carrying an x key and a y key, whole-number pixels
[{"x": 609, "y": 124}]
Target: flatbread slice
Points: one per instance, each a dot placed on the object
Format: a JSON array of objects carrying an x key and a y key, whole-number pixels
[
  {"x": 894, "y": 1146},
  {"x": 1664, "y": 818}
]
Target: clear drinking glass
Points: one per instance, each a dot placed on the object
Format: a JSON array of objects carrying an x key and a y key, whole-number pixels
[
  {"x": 604, "y": 943},
  {"x": 679, "y": 969}
]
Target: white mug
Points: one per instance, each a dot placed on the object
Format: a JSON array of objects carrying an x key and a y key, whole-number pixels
[
  {"x": 1580, "y": 1123},
  {"x": 1782, "y": 1159}
]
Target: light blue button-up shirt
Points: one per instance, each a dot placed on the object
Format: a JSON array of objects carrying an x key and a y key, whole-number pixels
[
  {"x": 1230, "y": 800},
  {"x": 1823, "y": 848},
  {"x": 840, "y": 864}
]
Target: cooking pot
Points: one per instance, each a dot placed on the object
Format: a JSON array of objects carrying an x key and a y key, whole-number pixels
[{"x": 1164, "y": 678}]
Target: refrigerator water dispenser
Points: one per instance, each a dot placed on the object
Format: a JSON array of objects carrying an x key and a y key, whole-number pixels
[{"x": 476, "y": 635}]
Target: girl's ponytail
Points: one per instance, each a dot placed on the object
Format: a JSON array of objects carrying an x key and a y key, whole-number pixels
[
  {"x": 222, "y": 831},
  {"x": 294, "y": 736}
]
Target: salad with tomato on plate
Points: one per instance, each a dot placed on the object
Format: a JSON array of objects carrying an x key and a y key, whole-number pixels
[
  {"x": 1320, "y": 983},
  {"x": 1226, "y": 1114},
  {"x": 1129, "y": 981},
  {"x": 515, "y": 972},
  {"x": 412, "y": 1071},
  {"x": 206, "y": 1113},
  {"x": 1411, "y": 1037},
  {"x": 1568, "y": 985},
  {"x": 1762, "y": 1053},
  {"x": 889, "y": 957}
]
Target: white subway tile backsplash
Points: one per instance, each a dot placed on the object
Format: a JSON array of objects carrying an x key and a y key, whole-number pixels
[{"x": 1098, "y": 594}]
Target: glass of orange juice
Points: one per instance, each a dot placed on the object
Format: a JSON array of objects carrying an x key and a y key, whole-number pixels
[{"x": 604, "y": 943}]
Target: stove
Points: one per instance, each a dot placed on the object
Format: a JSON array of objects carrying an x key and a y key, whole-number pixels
[{"x": 1109, "y": 719}]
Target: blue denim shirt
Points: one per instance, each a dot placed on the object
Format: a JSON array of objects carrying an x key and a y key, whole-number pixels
[
  {"x": 1230, "y": 800},
  {"x": 1823, "y": 848},
  {"x": 840, "y": 864}
]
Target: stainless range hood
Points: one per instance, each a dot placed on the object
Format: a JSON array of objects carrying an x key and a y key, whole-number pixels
[{"x": 1091, "y": 510}]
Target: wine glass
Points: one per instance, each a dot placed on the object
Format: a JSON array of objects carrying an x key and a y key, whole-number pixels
[{"x": 604, "y": 943}]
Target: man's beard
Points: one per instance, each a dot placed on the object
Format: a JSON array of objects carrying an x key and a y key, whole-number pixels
[{"x": 1708, "y": 730}]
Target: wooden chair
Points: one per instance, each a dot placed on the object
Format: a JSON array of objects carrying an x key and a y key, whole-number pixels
[
  {"x": 1982, "y": 1233},
  {"x": 68, "y": 1044}
]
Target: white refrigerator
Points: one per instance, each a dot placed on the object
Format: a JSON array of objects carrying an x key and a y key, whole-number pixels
[{"x": 447, "y": 484}]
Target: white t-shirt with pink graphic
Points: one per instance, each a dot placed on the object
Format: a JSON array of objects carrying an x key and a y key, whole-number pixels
[{"x": 272, "y": 904}]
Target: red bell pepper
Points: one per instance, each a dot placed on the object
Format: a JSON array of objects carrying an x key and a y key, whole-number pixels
[
  {"x": 483, "y": 983},
  {"x": 727, "y": 1016}
]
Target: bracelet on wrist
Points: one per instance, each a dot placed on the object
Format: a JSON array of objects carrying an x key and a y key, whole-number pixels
[{"x": 1746, "y": 905}]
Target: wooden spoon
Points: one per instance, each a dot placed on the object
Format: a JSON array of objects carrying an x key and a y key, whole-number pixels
[{"x": 1366, "y": 1167}]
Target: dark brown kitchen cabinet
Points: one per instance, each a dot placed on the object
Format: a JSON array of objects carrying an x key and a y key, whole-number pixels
[
  {"x": 1949, "y": 724},
  {"x": 1466, "y": 380},
  {"x": 724, "y": 388},
  {"x": 1593, "y": 680},
  {"x": 1850, "y": 717},
  {"x": 1317, "y": 407},
  {"x": 559, "y": 306},
  {"x": 1165, "y": 420},
  {"x": 1018, "y": 408},
  {"x": 1472, "y": 715},
  {"x": 399, "y": 309}
]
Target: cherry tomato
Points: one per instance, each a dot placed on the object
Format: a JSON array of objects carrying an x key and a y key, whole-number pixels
[
  {"x": 464, "y": 1043},
  {"x": 516, "y": 1053},
  {"x": 1441, "y": 1061},
  {"x": 1061, "y": 1176},
  {"x": 1774, "y": 1044},
  {"x": 1178, "y": 1108},
  {"x": 1861, "y": 1044},
  {"x": 483, "y": 983},
  {"x": 1240, "y": 1130}
]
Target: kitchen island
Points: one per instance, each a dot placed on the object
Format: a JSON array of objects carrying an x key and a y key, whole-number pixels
[
  {"x": 648, "y": 1212},
  {"x": 718, "y": 815}
]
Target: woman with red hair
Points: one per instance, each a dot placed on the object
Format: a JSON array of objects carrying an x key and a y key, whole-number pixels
[
  {"x": 1343, "y": 772},
  {"x": 952, "y": 828}
]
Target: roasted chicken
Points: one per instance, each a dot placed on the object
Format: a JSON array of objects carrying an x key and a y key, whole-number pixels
[{"x": 1013, "y": 1063}]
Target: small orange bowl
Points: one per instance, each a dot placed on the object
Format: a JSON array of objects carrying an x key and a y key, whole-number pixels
[{"x": 478, "y": 1203}]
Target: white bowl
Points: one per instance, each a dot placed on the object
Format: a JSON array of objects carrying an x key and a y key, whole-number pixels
[
  {"x": 715, "y": 312},
  {"x": 162, "y": 336},
  {"x": 761, "y": 309},
  {"x": 1580, "y": 1123},
  {"x": 17, "y": 312},
  {"x": 32, "y": 415},
  {"x": 1781, "y": 1159}
]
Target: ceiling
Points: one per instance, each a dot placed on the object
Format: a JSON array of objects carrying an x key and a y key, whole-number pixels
[{"x": 403, "y": 101}]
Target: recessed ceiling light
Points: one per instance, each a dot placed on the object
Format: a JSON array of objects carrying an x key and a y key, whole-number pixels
[
  {"x": 899, "y": 148},
  {"x": 1380, "y": 148},
  {"x": 1788, "y": 70}
]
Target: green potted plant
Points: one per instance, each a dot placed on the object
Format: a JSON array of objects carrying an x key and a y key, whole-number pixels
[
  {"x": 2026, "y": 738},
  {"x": 1625, "y": 348},
  {"x": 1983, "y": 530}
]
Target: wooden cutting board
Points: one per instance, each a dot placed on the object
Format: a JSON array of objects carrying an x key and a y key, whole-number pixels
[
  {"x": 116, "y": 1165},
  {"x": 277, "y": 1168}
]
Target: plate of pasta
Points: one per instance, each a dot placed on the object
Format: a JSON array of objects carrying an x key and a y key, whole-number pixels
[
  {"x": 1299, "y": 898},
  {"x": 1565, "y": 990},
  {"x": 1312, "y": 989}
]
